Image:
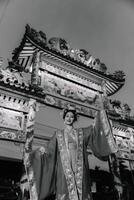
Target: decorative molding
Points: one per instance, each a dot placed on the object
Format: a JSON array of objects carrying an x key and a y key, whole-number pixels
[
  {"x": 119, "y": 131},
  {"x": 17, "y": 80},
  {"x": 120, "y": 112},
  {"x": 124, "y": 138},
  {"x": 67, "y": 74},
  {"x": 11, "y": 119},
  {"x": 18, "y": 136},
  {"x": 13, "y": 78},
  {"x": 61, "y": 103},
  {"x": 57, "y": 86},
  {"x": 13, "y": 103}
]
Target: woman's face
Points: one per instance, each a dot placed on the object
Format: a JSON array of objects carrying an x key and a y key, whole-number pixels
[{"x": 69, "y": 118}]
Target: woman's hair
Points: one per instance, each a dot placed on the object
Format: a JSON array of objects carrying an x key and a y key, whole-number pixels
[{"x": 66, "y": 110}]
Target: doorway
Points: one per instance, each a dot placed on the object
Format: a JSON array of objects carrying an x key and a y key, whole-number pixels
[{"x": 10, "y": 173}]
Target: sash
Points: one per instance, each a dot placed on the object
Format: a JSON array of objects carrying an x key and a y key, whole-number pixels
[{"x": 73, "y": 179}]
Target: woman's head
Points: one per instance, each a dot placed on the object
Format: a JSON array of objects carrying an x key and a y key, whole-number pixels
[{"x": 69, "y": 116}]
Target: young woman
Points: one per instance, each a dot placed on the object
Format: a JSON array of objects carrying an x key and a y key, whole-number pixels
[{"x": 62, "y": 171}]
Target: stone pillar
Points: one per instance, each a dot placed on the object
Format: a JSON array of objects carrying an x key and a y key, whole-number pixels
[
  {"x": 33, "y": 108},
  {"x": 35, "y": 68}
]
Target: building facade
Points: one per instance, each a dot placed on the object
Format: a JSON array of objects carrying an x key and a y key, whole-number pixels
[{"x": 53, "y": 74}]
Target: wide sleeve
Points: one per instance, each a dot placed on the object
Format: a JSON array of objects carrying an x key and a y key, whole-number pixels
[
  {"x": 43, "y": 165},
  {"x": 99, "y": 136}
]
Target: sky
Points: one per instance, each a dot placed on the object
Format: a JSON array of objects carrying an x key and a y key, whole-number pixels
[{"x": 105, "y": 28}]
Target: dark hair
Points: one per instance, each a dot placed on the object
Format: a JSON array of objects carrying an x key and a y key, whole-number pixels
[{"x": 69, "y": 110}]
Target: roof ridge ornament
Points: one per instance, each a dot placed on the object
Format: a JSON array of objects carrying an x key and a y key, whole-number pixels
[
  {"x": 62, "y": 48},
  {"x": 60, "y": 45},
  {"x": 38, "y": 36},
  {"x": 119, "y": 74}
]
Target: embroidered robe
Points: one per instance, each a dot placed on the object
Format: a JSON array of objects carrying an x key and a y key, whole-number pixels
[{"x": 52, "y": 172}]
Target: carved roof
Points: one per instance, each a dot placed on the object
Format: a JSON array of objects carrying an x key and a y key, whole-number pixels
[
  {"x": 18, "y": 81},
  {"x": 15, "y": 76},
  {"x": 57, "y": 47},
  {"x": 120, "y": 112}
]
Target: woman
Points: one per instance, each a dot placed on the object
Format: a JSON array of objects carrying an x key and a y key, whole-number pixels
[{"x": 61, "y": 171}]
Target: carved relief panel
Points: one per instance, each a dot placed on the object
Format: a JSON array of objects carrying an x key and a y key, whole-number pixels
[
  {"x": 61, "y": 86},
  {"x": 125, "y": 140},
  {"x": 12, "y": 118}
]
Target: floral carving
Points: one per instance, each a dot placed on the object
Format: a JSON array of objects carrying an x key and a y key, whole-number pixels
[
  {"x": 123, "y": 111},
  {"x": 59, "y": 87},
  {"x": 83, "y": 54},
  {"x": 126, "y": 109},
  {"x": 17, "y": 136},
  {"x": 79, "y": 55},
  {"x": 103, "y": 67},
  {"x": 119, "y": 75},
  {"x": 39, "y": 37},
  {"x": 59, "y": 44},
  {"x": 13, "y": 78}
]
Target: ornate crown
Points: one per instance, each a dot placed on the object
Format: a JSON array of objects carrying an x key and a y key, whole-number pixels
[{"x": 70, "y": 108}]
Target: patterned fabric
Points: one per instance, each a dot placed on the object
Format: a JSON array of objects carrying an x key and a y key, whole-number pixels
[
  {"x": 79, "y": 170},
  {"x": 74, "y": 179},
  {"x": 70, "y": 179}
]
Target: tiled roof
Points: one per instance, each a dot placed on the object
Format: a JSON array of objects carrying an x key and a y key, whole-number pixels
[
  {"x": 18, "y": 81},
  {"x": 13, "y": 78}
]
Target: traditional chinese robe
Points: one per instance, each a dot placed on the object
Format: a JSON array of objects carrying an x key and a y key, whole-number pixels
[{"x": 52, "y": 170}]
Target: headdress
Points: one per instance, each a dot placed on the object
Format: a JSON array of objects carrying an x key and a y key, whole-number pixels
[{"x": 70, "y": 108}]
